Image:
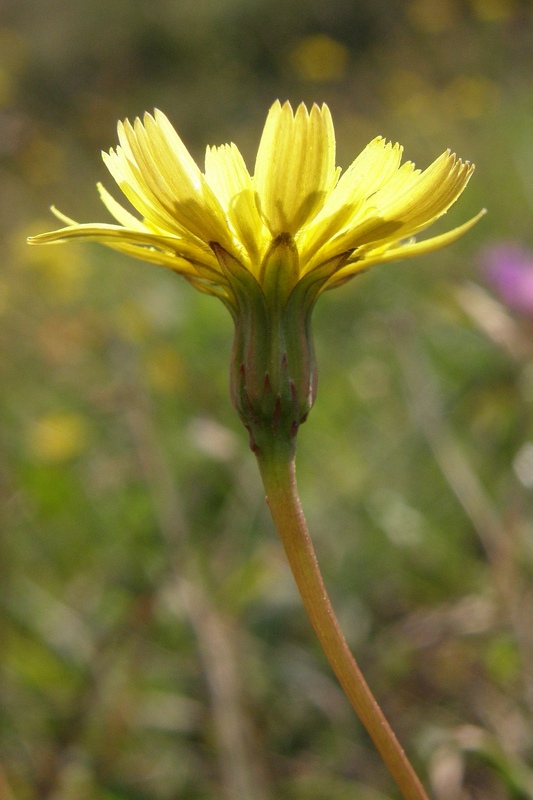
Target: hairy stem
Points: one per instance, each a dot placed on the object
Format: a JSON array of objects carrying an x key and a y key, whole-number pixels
[{"x": 276, "y": 462}]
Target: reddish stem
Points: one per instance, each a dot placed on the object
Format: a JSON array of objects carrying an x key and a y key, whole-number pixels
[{"x": 278, "y": 473}]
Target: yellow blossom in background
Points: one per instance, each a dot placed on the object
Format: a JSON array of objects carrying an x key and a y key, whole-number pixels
[
  {"x": 57, "y": 437},
  {"x": 469, "y": 97},
  {"x": 165, "y": 369},
  {"x": 495, "y": 10},
  {"x": 320, "y": 58},
  {"x": 338, "y": 224},
  {"x": 433, "y": 16}
]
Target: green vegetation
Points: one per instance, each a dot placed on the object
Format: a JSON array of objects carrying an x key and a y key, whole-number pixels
[{"x": 153, "y": 644}]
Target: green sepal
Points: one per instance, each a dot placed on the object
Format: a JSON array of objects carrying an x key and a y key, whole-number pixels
[{"x": 272, "y": 373}]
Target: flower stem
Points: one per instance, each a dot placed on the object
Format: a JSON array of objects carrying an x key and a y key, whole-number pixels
[{"x": 276, "y": 462}]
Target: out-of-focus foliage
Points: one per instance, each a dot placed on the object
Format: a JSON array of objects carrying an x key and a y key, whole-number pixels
[{"x": 153, "y": 645}]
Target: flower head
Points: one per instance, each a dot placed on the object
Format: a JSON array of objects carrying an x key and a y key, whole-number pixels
[
  {"x": 270, "y": 243},
  {"x": 348, "y": 222}
]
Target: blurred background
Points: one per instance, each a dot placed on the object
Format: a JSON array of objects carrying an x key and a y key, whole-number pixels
[{"x": 153, "y": 646}]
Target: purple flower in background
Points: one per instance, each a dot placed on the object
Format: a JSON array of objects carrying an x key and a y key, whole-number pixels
[{"x": 509, "y": 268}]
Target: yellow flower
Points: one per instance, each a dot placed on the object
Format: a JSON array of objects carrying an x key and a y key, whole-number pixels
[
  {"x": 267, "y": 245},
  {"x": 58, "y": 437},
  {"x": 368, "y": 215}
]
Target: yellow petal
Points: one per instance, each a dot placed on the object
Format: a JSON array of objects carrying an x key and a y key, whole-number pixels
[
  {"x": 116, "y": 235},
  {"x": 407, "y": 204},
  {"x": 174, "y": 262},
  {"x": 117, "y": 211},
  {"x": 63, "y": 217},
  {"x": 367, "y": 227},
  {"x": 370, "y": 170},
  {"x": 132, "y": 185},
  {"x": 159, "y": 177},
  {"x": 413, "y": 248},
  {"x": 400, "y": 251},
  {"x": 173, "y": 175},
  {"x": 425, "y": 197},
  {"x": 295, "y": 166},
  {"x": 228, "y": 177},
  {"x": 345, "y": 205}
]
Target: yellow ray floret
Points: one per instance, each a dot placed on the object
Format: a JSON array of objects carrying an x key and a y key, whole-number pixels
[{"x": 368, "y": 215}]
